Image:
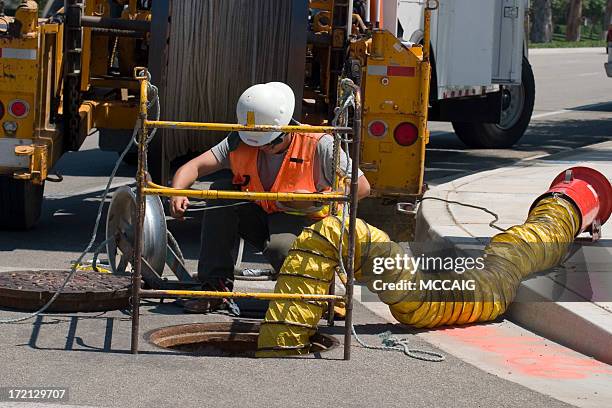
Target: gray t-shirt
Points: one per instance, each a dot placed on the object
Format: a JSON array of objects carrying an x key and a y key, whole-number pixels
[{"x": 269, "y": 164}]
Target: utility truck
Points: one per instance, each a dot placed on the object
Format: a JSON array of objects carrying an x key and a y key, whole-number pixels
[
  {"x": 482, "y": 81},
  {"x": 71, "y": 72}
]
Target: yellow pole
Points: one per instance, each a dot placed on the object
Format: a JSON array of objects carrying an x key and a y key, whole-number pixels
[
  {"x": 230, "y": 127},
  {"x": 427, "y": 34},
  {"x": 140, "y": 212},
  {"x": 236, "y": 295},
  {"x": 425, "y": 66},
  {"x": 243, "y": 195}
]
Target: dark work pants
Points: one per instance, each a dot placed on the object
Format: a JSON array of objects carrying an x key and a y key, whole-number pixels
[{"x": 273, "y": 234}]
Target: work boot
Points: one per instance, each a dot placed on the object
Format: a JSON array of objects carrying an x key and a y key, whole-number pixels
[
  {"x": 209, "y": 305},
  {"x": 202, "y": 306}
]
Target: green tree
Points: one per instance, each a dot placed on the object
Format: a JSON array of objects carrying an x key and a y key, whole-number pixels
[
  {"x": 559, "y": 11},
  {"x": 574, "y": 20},
  {"x": 594, "y": 11},
  {"x": 608, "y": 17},
  {"x": 542, "y": 24}
]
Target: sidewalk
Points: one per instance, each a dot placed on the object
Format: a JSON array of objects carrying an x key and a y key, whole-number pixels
[
  {"x": 569, "y": 50},
  {"x": 571, "y": 305}
]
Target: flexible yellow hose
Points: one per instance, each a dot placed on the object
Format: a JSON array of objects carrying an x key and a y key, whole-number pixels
[{"x": 539, "y": 244}]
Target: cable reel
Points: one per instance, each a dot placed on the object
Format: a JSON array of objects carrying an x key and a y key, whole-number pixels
[{"x": 159, "y": 247}]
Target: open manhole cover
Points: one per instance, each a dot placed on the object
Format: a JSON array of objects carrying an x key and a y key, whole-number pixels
[
  {"x": 226, "y": 339},
  {"x": 86, "y": 291}
]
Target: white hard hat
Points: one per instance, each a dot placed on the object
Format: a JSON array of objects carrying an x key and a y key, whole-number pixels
[{"x": 272, "y": 103}]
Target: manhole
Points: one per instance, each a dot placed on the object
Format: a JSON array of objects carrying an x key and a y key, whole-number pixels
[
  {"x": 227, "y": 339},
  {"x": 86, "y": 291}
]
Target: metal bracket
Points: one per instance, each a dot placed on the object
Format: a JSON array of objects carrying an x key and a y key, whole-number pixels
[
  {"x": 595, "y": 231},
  {"x": 432, "y": 5},
  {"x": 38, "y": 163},
  {"x": 569, "y": 176},
  {"x": 152, "y": 279},
  {"x": 141, "y": 74},
  {"x": 511, "y": 12},
  {"x": 408, "y": 208}
]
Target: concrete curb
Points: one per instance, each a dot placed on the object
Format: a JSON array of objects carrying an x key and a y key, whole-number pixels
[{"x": 581, "y": 325}]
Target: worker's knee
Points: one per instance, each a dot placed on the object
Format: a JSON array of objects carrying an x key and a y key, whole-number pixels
[
  {"x": 280, "y": 244},
  {"x": 278, "y": 248}
]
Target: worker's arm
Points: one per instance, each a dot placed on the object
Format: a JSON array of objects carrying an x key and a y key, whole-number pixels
[
  {"x": 325, "y": 153},
  {"x": 201, "y": 166},
  {"x": 363, "y": 187}
]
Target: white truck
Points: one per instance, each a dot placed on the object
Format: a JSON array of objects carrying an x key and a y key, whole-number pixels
[{"x": 482, "y": 81}]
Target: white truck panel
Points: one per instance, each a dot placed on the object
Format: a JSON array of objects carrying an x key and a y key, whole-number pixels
[
  {"x": 508, "y": 42},
  {"x": 410, "y": 14},
  {"x": 390, "y": 8},
  {"x": 463, "y": 38},
  {"x": 477, "y": 44}
]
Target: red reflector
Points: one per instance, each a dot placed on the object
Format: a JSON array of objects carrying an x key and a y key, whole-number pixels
[
  {"x": 19, "y": 108},
  {"x": 377, "y": 128},
  {"x": 401, "y": 71},
  {"x": 406, "y": 134}
]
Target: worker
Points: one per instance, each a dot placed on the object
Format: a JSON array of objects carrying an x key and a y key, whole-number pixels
[{"x": 260, "y": 162}]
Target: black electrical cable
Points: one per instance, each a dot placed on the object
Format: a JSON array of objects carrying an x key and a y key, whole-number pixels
[{"x": 492, "y": 224}]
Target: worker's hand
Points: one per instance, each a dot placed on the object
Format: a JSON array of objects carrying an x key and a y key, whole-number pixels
[{"x": 178, "y": 206}]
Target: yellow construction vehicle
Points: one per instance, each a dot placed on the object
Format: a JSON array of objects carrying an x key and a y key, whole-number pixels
[{"x": 70, "y": 73}]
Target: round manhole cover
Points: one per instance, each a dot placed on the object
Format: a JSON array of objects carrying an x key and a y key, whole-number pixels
[
  {"x": 226, "y": 339},
  {"x": 86, "y": 291}
]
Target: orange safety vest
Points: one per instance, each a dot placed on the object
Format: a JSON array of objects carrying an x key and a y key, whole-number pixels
[{"x": 296, "y": 171}]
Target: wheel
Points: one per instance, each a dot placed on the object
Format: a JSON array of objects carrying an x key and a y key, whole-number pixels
[
  {"x": 20, "y": 203},
  {"x": 131, "y": 158},
  {"x": 516, "y": 113},
  {"x": 120, "y": 222}
]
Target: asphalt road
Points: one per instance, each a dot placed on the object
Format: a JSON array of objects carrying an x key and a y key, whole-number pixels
[
  {"x": 88, "y": 354},
  {"x": 573, "y": 108}
]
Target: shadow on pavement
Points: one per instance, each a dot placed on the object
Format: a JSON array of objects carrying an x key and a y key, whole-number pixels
[
  {"x": 66, "y": 225},
  {"x": 92, "y": 163},
  {"x": 66, "y": 337},
  {"x": 449, "y": 159}
]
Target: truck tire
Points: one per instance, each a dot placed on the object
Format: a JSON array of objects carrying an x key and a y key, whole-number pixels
[
  {"x": 519, "y": 101},
  {"x": 130, "y": 158},
  {"x": 20, "y": 203}
]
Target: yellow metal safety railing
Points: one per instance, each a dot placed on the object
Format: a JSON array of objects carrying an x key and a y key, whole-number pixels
[{"x": 146, "y": 187}]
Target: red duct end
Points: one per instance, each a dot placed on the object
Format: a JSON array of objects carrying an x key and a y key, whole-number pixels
[{"x": 590, "y": 191}]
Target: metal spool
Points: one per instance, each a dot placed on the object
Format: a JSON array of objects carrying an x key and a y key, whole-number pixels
[
  {"x": 120, "y": 223},
  {"x": 202, "y": 66}
]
